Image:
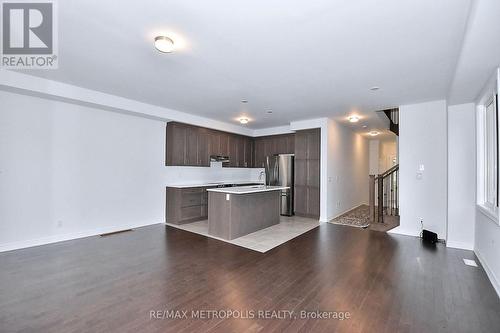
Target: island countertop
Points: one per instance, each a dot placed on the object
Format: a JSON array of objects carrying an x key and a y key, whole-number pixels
[{"x": 247, "y": 189}]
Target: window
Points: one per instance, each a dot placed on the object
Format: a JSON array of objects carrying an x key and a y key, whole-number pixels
[{"x": 488, "y": 197}]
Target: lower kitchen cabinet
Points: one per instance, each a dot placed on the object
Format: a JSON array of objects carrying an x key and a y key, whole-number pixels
[{"x": 185, "y": 205}]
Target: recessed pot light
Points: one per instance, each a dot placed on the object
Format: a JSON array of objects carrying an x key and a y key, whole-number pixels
[
  {"x": 353, "y": 119},
  {"x": 269, "y": 111},
  {"x": 375, "y": 88},
  {"x": 244, "y": 101},
  {"x": 364, "y": 126},
  {"x": 374, "y": 133},
  {"x": 243, "y": 121},
  {"x": 164, "y": 44}
]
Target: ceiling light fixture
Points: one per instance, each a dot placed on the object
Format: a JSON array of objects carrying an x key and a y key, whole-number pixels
[
  {"x": 269, "y": 111},
  {"x": 375, "y": 88},
  {"x": 364, "y": 126},
  {"x": 244, "y": 101},
  {"x": 164, "y": 44},
  {"x": 374, "y": 133},
  {"x": 243, "y": 121},
  {"x": 353, "y": 119}
]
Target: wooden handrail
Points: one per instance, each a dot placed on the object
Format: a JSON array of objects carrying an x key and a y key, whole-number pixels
[
  {"x": 377, "y": 215},
  {"x": 388, "y": 172}
]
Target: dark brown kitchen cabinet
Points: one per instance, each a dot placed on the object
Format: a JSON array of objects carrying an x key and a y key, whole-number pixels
[
  {"x": 307, "y": 173},
  {"x": 189, "y": 145},
  {"x": 185, "y": 205},
  {"x": 192, "y": 138},
  {"x": 271, "y": 145},
  {"x": 248, "y": 155},
  {"x": 176, "y": 144}
]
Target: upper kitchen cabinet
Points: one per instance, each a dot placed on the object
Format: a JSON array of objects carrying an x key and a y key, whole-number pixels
[
  {"x": 189, "y": 145},
  {"x": 271, "y": 145}
]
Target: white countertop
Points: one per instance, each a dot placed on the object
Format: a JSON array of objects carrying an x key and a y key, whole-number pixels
[
  {"x": 248, "y": 189},
  {"x": 186, "y": 185}
]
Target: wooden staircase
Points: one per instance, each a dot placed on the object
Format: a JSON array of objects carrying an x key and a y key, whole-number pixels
[{"x": 384, "y": 196}]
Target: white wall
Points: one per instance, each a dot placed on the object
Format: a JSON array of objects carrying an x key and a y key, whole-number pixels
[
  {"x": 461, "y": 176},
  {"x": 373, "y": 148},
  {"x": 348, "y": 169},
  {"x": 423, "y": 140},
  {"x": 388, "y": 152},
  {"x": 487, "y": 230},
  {"x": 487, "y": 247},
  {"x": 69, "y": 171}
]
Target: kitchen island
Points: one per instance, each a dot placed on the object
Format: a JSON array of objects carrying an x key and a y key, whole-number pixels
[{"x": 237, "y": 211}]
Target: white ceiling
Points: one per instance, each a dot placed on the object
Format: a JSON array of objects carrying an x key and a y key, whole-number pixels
[{"x": 301, "y": 59}]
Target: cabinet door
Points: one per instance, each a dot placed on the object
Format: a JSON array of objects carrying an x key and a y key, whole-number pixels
[
  {"x": 214, "y": 145},
  {"x": 240, "y": 151},
  {"x": 313, "y": 144},
  {"x": 233, "y": 151},
  {"x": 313, "y": 201},
  {"x": 192, "y": 146},
  {"x": 270, "y": 147},
  {"x": 224, "y": 144},
  {"x": 281, "y": 144},
  {"x": 290, "y": 144},
  {"x": 259, "y": 147},
  {"x": 300, "y": 200},
  {"x": 204, "y": 147},
  {"x": 301, "y": 145},
  {"x": 176, "y": 144},
  {"x": 248, "y": 161}
]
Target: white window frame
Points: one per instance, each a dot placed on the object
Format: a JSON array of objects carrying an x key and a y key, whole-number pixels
[{"x": 487, "y": 150}]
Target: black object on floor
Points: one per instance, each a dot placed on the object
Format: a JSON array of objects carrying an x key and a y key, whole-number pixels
[{"x": 429, "y": 236}]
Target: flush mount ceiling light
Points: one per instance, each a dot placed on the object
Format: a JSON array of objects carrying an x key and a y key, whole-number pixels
[
  {"x": 374, "y": 133},
  {"x": 243, "y": 121},
  {"x": 375, "y": 88},
  {"x": 353, "y": 119},
  {"x": 164, "y": 44}
]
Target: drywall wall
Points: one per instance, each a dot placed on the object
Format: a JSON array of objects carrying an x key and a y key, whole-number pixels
[
  {"x": 487, "y": 229},
  {"x": 487, "y": 247},
  {"x": 373, "y": 148},
  {"x": 388, "y": 155},
  {"x": 69, "y": 171},
  {"x": 348, "y": 169},
  {"x": 461, "y": 176},
  {"x": 423, "y": 143}
]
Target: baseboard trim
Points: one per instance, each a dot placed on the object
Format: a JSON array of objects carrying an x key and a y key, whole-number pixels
[
  {"x": 398, "y": 231},
  {"x": 348, "y": 210},
  {"x": 460, "y": 245},
  {"x": 71, "y": 236},
  {"x": 491, "y": 275}
]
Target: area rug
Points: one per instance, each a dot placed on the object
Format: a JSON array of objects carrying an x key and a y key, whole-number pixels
[{"x": 358, "y": 217}]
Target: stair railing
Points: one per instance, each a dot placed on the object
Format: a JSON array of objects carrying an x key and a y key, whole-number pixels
[{"x": 384, "y": 194}]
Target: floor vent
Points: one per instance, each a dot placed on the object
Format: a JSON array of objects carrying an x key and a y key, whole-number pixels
[
  {"x": 470, "y": 262},
  {"x": 115, "y": 232}
]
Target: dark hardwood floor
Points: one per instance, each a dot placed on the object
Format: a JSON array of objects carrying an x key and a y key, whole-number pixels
[{"x": 387, "y": 283}]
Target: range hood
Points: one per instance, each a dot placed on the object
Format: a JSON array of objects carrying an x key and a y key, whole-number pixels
[{"x": 219, "y": 158}]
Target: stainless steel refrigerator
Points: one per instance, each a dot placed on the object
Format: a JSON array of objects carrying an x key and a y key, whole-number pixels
[{"x": 279, "y": 172}]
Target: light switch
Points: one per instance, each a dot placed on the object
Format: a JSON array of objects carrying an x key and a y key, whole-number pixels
[{"x": 421, "y": 167}]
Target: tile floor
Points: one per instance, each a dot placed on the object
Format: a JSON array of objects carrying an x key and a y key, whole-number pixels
[{"x": 262, "y": 240}]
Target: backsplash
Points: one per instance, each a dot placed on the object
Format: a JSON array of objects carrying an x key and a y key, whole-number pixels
[{"x": 198, "y": 175}]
